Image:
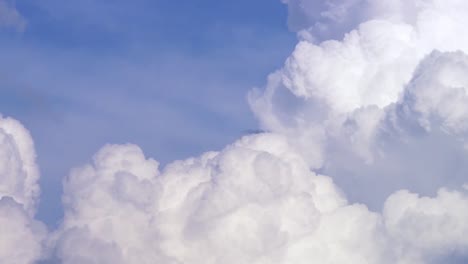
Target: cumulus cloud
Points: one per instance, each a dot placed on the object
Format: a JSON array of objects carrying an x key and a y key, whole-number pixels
[
  {"x": 21, "y": 240},
  {"x": 244, "y": 204},
  {"x": 17, "y": 165},
  {"x": 351, "y": 109},
  {"x": 256, "y": 201},
  {"x": 365, "y": 161},
  {"x": 22, "y": 237},
  {"x": 360, "y": 108},
  {"x": 427, "y": 229},
  {"x": 10, "y": 18},
  {"x": 331, "y": 19}
]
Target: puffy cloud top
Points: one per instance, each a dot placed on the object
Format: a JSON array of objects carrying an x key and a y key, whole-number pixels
[
  {"x": 21, "y": 239},
  {"x": 238, "y": 205},
  {"x": 256, "y": 201},
  {"x": 368, "y": 121},
  {"x": 18, "y": 170}
]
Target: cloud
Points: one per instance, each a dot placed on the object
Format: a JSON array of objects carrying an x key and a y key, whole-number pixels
[
  {"x": 257, "y": 185},
  {"x": 374, "y": 61},
  {"x": 10, "y": 18},
  {"x": 17, "y": 165},
  {"x": 244, "y": 204},
  {"x": 358, "y": 108},
  {"x": 331, "y": 19},
  {"x": 423, "y": 227},
  {"x": 22, "y": 237},
  {"x": 256, "y": 201},
  {"x": 364, "y": 133}
]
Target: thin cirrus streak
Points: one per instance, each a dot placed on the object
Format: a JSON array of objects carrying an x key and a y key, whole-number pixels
[{"x": 381, "y": 111}]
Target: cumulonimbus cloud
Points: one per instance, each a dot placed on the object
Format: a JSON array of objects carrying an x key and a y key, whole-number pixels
[{"x": 353, "y": 124}]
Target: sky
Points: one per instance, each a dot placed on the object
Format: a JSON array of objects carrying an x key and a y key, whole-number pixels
[
  {"x": 260, "y": 132},
  {"x": 83, "y": 74}
]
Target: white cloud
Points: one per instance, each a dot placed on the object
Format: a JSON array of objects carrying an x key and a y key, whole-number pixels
[
  {"x": 350, "y": 108},
  {"x": 423, "y": 227},
  {"x": 22, "y": 236},
  {"x": 239, "y": 205},
  {"x": 256, "y": 201},
  {"x": 17, "y": 164},
  {"x": 379, "y": 112},
  {"x": 21, "y": 240},
  {"x": 438, "y": 92},
  {"x": 335, "y": 99}
]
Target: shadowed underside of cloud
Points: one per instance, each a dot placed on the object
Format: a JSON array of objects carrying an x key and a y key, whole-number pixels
[{"x": 353, "y": 124}]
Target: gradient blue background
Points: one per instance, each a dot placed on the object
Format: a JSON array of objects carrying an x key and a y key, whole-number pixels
[{"x": 170, "y": 76}]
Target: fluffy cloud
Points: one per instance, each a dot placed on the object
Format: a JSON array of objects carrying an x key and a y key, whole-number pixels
[
  {"x": 10, "y": 18},
  {"x": 437, "y": 94},
  {"x": 375, "y": 58},
  {"x": 17, "y": 164},
  {"x": 425, "y": 229},
  {"x": 256, "y": 201},
  {"x": 364, "y": 133},
  {"x": 243, "y": 204},
  {"x": 330, "y": 19},
  {"x": 359, "y": 109},
  {"x": 21, "y": 236}
]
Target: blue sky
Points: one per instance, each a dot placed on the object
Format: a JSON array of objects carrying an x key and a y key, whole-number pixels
[
  {"x": 366, "y": 158},
  {"x": 170, "y": 76}
]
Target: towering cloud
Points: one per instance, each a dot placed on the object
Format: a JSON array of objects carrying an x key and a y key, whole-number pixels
[
  {"x": 21, "y": 236},
  {"x": 382, "y": 109},
  {"x": 365, "y": 162},
  {"x": 384, "y": 103}
]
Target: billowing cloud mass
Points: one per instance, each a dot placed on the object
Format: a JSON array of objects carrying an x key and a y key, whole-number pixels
[
  {"x": 10, "y": 18},
  {"x": 384, "y": 107},
  {"x": 21, "y": 236},
  {"x": 365, "y": 160},
  {"x": 245, "y": 204},
  {"x": 256, "y": 201}
]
